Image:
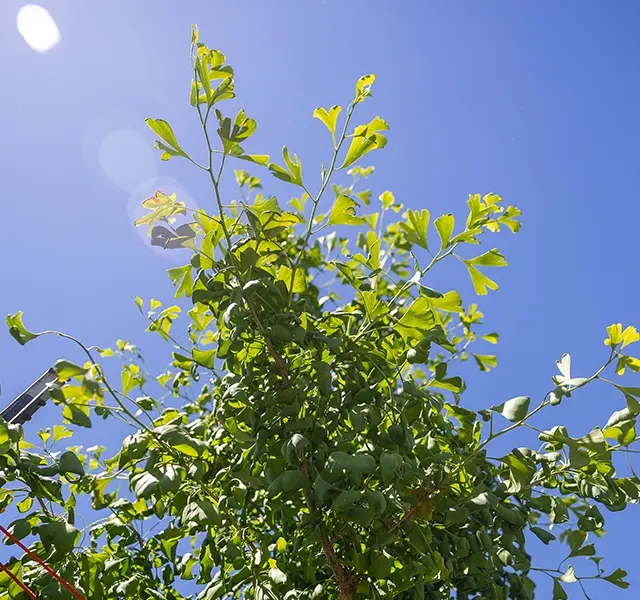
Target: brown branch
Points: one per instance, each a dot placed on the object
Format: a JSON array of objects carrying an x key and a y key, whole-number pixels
[
  {"x": 279, "y": 360},
  {"x": 346, "y": 581},
  {"x": 423, "y": 496}
]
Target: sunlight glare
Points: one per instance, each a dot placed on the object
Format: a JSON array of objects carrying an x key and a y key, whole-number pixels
[{"x": 38, "y": 28}]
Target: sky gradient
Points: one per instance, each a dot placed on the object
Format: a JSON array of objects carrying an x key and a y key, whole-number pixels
[{"x": 535, "y": 101}]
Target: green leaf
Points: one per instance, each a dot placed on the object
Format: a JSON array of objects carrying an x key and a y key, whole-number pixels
[
  {"x": 66, "y": 369},
  {"x": 364, "y": 139},
  {"x": 361, "y": 464},
  {"x": 299, "y": 283},
  {"x": 344, "y": 212},
  {"x": 588, "y": 550},
  {"x": 449, "y": 302},
  {"x": 486, "y": 361},
  {"x": 558, "y": 591},
  {"x": 346, "y": 500},
  {"x": 292, "y": 173},
  {"x": 377, "y": 501},
  {"x": 163, "y": 130},
  {"x": 77, "y": 414},
  {"x": 25, "y": 505},
  {"x": 416, "y": 227},
  {"x": 287, "y": 482},
  {"x": 620, "y": 416},
  {"x": 429, "y": 293},
  {"x": 258, "y": 159},
  {"x": 546, "y": 537},
  {"x": 521, "y": 471},
  {"x": 329, "y": 118},
  {"x": 200, "y": 514},
  {"x": 145, "y": 484},
  {"x": 5, "y": 437},
  {"x": 389, "y": 465},
  {"x": 323, "y": 377},
  {"x": 515, "y": 409},
  {"x": 480, "y": 281},
  {"x": 591, "y": 520},
  {"x": 134, "y": 448},
  {"x": 181, "y": 276},
  {"x": 617, "y": 578},
  {"x": 492, "y": 338},
  {"x": 491, "y": 258},
  {"x": 444, "y": 225},
  {"x": 61, "y": 535},
  {"x": 178, "y": 438},
  {"x": 416, "y": 322},
  {"x": 18, "y": 330},
  {"x": 381, "y": 567},
  {"x": 322, "y": 489},
  {"x": 205, "y": 358},
  {"x": 70, "y": 463},
  {"x": 363, "y": 87},
  {"x": 387, "y": 199},
  {"x": 373, "y": 306}
]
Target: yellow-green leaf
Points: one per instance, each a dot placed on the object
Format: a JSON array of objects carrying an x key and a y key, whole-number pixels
[
  {"x": 416, "y": 227},
  {"x": 364, "y": 139},
  {"x": 363, "y": 87},
  {"x": 299, "y": 283},
  {"x": 344, "y": 212},
  {"x": 281, "y": 544},
  {"x": 618, "y": 336},
  {"x": 18, "y": 330},
  {"x": 168, "y": 143},
  {"x": 444, "y": 224},
  {"x": 328, "y": 117}
]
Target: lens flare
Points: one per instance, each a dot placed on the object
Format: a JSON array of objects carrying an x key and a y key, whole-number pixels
[
  {"x": 37, "y": 27},
  {"x": 127, "y": 159}
]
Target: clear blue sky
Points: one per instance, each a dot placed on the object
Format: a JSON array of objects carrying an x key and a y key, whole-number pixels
[{"x": 535, "y": 101}]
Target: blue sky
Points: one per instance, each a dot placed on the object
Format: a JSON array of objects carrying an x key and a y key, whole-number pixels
[{"x": 535, "y": 101}]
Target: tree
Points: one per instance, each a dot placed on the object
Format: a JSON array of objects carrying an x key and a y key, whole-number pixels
[{"x": 310, "y": 439}]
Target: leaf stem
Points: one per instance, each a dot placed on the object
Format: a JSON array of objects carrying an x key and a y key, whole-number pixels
[{"x": 316, "y": 200}]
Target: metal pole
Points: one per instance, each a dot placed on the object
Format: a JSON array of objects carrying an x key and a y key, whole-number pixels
[{"x": 26, "y": 404}]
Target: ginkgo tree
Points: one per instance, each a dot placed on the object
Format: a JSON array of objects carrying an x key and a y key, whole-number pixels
[{"x": 309, "y": 439}]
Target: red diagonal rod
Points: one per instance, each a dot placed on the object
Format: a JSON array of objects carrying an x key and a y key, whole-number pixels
[
  {"x": 46, "y": 567},
  {"x": 18, "y": 582}
]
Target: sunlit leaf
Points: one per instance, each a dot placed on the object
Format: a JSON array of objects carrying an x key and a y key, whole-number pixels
[
  {"x": 18, "y": 330},
  {"x": 328, "y": 117},
  {"x": 344, "y": 212},
  {"x": 168, "y": 144},
  {"x": 444, "y": 224}
]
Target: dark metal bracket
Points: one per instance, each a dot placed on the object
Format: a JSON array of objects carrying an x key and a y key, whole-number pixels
[{"x": 26, "y": 404}]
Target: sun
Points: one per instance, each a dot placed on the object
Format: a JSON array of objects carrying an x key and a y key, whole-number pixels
[{"x": 37, "y": 27}]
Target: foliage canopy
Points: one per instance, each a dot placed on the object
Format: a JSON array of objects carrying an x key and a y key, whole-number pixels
[{"x": 309, "y": 439}]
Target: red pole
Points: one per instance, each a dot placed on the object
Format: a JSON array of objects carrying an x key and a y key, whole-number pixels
[
  {"x": 46, "y": 567},
  {"x": 18, "y": 582}
]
